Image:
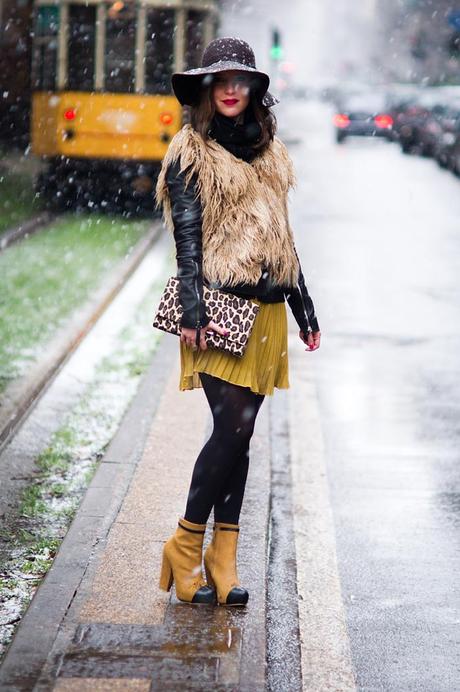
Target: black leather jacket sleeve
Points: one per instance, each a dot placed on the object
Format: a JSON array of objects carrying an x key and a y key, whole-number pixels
[
  {"x": 186, "y": 216},
  {"x": 301, "y": 304}
]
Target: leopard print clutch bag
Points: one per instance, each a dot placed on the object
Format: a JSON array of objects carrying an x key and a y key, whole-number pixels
[{"x": 236, "y": 314}]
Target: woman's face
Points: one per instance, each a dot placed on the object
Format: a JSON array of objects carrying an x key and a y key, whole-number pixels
[{"x": 230, "y": 92}]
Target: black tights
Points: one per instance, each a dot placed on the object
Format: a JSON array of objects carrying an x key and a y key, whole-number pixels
[{"x": 220, "y": 472}]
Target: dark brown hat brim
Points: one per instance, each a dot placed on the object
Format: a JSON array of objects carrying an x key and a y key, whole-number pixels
[{"x": 188, "y": 85}]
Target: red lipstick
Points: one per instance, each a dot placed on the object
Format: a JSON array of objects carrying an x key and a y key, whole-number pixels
[{"x": 230, "y": 102}]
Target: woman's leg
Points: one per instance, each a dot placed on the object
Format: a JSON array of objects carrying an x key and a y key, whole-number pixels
[
  {"x": 227, "y": 507},
  {"x": 220, "y": 472}
]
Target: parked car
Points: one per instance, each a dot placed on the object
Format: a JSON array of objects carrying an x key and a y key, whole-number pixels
[
  {"x": 363, "y": 115},
  {"x": 430, "y": 130},
  {"x": 418, "y": 125},
  {"x": 410, "y": 119},
  {"x": 450, "y": 129},
  {"x": 453, "y": 161},
  {"x": 399, "y": 99}
]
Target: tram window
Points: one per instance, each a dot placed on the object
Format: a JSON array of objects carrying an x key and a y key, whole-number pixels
[
  {"x": 82, "y": 30},
  {"x": 119, "y": 47},
  {"x": 194, "y": 38},
  {"x": 45, "y": 48},
  {"x": 159, "y": 51}
]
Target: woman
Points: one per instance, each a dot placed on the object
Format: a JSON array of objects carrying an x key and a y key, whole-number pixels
[{"x": 223, "y": 187}]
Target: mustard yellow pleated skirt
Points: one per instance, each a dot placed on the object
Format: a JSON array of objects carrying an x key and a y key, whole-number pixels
[{"x": 263, "y": 366}]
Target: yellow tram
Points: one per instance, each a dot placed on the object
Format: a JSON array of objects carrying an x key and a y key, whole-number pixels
[{"x": 102, "y": 107}]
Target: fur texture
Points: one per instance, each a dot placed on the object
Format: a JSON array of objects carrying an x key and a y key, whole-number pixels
[{"x": 245, "y": 223}]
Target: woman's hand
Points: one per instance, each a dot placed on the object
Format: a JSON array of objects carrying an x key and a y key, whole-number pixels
[
  {"x": 188, "y": 336},
  {"x": 313, "y": 340}
]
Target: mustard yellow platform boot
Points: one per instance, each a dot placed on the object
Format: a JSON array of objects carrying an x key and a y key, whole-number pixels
[
  {"x": 182, "y": 556},
  {"x": 220, "y": 565}
]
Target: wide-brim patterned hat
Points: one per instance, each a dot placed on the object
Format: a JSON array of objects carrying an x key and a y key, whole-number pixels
[{"x": 222, "y": 54}]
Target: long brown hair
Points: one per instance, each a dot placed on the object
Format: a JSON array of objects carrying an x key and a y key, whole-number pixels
[{"x": 203, "y": 112}]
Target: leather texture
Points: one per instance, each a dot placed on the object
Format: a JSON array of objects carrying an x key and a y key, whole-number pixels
[{"x": 187, "y": 216}]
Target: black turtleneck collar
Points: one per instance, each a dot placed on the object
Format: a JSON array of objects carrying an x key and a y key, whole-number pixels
[{"x": 238, "y": 138}]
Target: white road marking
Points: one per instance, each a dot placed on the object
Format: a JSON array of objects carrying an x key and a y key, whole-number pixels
[{"x": 325, "y": 646}]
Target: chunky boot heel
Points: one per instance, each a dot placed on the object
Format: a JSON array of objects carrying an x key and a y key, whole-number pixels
[
  {"x": 209, "y": 578},
  {"x": 220, "y": 565},
  {"x": 182, "y": 558},
  {"x": 166, "y": 576}
]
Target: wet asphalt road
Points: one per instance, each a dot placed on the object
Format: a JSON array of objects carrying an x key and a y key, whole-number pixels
[{"x": 379, "y": 237}]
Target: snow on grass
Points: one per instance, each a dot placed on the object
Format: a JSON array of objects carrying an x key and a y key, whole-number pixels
[
  {"x": 65, "y": 468},
  {"x": 45, "y": 277}
]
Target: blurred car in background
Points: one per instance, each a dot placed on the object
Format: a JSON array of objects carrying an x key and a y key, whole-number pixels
[
  {"x": 450, "y": 130},
  {"x": 399, "y": 97},
  {"x": 452, "y": 152},
  {"x": 408, "y": 120},
  {"x": 363, "y": 115},
  {"x": 417, "y": 124},
  {"x": 421, "y": 122},
  {"x": 430, "y": 130}
]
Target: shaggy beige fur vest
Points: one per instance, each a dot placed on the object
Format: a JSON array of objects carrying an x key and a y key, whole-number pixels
[{"x": 245, "y": 224}]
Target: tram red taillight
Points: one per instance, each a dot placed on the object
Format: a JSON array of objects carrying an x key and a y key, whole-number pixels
[
  {"x": 166, "y": 118},
  {"x": 70, "y": 114}
]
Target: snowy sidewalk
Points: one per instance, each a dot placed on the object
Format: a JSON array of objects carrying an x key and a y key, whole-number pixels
[{"x": 99, "y": 621}]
